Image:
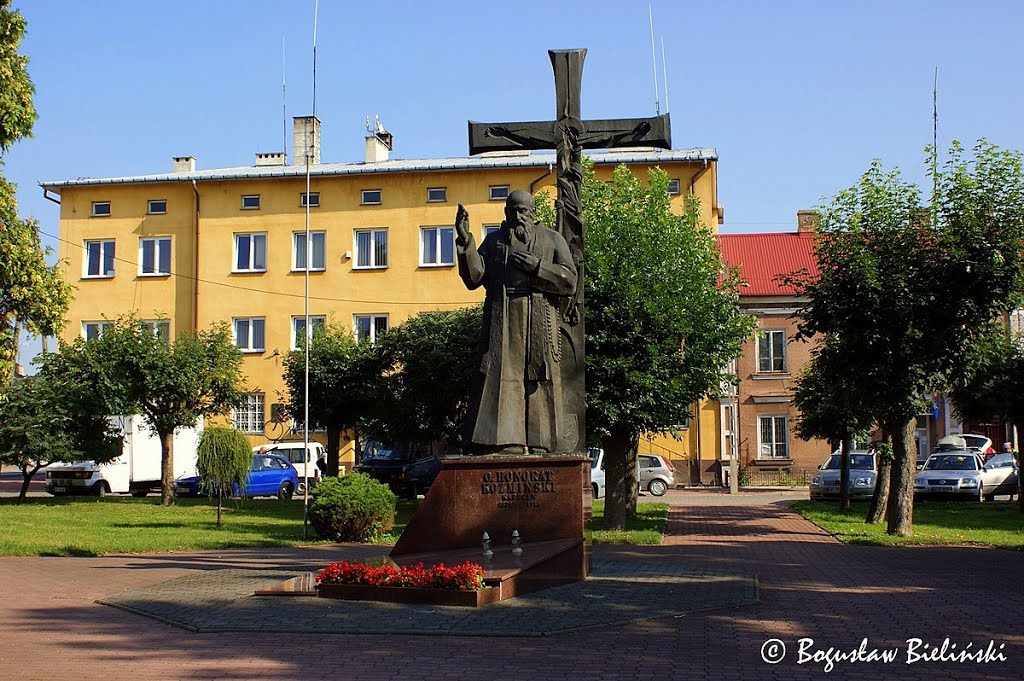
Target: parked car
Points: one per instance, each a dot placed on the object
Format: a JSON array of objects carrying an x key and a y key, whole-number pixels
[
  {"x": 292, "y": 451},
  {"x": 863, "y": 475},
  {"x": 962, "y": 474},
  {"x": 270, "y": 475},
  {"x": 1006, "y": 464},
  {"x": 406, "y": 470},
  {"x": 654, "y": 473}
]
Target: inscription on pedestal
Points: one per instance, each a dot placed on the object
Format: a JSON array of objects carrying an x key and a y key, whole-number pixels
[{"x": 511, "y": 487}]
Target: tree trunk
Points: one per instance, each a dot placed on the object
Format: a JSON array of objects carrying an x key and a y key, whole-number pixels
[
  {"x": 26, "y": 480},
  {"x": 167, "y": 468},
  {"x": 901, "y": 495},
  {"x": 333, "y": 449},
  {"x": 620, "y": 478},
  {"x": 220, "y": 495},
  {"x": 844, "y": 475},
  {"x": 880, "y": 497}
]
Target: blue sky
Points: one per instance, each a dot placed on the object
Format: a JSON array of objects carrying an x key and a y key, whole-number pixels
[{"x": 797, "y": 97}]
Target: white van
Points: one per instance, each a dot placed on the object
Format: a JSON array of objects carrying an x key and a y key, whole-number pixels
[{"x": 293, "y": 452}]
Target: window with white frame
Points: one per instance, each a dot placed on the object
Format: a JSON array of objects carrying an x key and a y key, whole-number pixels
[
  {"x": 488, "y": 229},
  {"x": 99, "y": 258},
  {"x": 316, "y": 249},
  {"x": 247, "y": 416},
  {"x": 311, "y": 199},
  {"x": 771, "y": 351},
  {"x": 157, "y": 206},
  {"x": 673, "y": 187},
  {"x": 161, "y": 328},
  {"x": 91, "y": 330},
  {"x": 773, "y": 437},
  {"x": 251, "y": 202},
  {"x": 299, "y": 325},
  {"x": 101, "y": 209},
  {"x": 371, "y": 248},
  {"x": 437, "y": 194},
  {"x": 249, "y": 333},
  {"x": 250, "y": 252},
  {"x": 155, "y": 256},
  {"x": 371, "y": 197},
  {"x": 371, "y": 326},
  {"x": 437, "y": 246},
  {"x": 497, "y": 192}
]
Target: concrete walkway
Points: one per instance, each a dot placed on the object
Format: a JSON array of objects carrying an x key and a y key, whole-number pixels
[{"x": 810, "y": 587}]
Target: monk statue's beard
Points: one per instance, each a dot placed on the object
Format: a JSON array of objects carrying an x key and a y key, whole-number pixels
[{"x": 522, "y": 231}]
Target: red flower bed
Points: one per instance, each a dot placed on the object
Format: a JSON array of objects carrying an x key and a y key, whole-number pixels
[{"x": 465, "y": 577}]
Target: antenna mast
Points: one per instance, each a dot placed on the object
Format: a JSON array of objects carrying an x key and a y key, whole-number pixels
[
  {"x": 284, "y": 102},
  {"x": 935, "y": 134},
  {"x": 664, "y": 68},
  {"x": 654, "y": 61}
]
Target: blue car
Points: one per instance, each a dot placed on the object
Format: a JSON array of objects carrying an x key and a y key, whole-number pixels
[{"x": 270, "y": 475}]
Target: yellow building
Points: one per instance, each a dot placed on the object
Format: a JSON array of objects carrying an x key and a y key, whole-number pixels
[{"x": 192, "y": 247}]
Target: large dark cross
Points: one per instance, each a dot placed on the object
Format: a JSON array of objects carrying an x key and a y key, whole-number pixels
[{"x": 568, "y": 135}]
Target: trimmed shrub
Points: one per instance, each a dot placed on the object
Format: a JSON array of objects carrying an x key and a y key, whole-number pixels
[{"x": 353, "y": 508}]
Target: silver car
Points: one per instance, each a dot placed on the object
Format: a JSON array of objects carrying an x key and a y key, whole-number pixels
[
  {"x": 863, "y": 474},
  {"x": 962, "y": 474},
  {"x": 654, "y": 473}
]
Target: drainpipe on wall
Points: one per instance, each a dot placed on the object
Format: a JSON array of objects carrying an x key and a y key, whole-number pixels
[
  {"x": 534, "y": 183},
  {"x": 195, "y": 273}
]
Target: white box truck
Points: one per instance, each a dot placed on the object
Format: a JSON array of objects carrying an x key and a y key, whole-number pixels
[{"x": 136, "y": 470}]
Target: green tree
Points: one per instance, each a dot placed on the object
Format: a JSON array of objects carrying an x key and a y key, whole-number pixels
[
  {"x": 991, "y": 388},
  {"x": 47, "y": 419},
  {"x": 833, "y": 406},
  {"x": 905, "y": 291},
  {"x": 172, "y": 384},
  {"x": 223, "y": 459},
  {"x": 663, "y": 320},
  {"x": 33, "y": 295},
  {"x": 428, "y": 363},
  {"x": 344, "y": 380}
]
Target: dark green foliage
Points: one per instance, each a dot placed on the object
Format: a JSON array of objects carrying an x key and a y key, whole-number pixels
[
  {"x": 223, "y": 459},
  {"x": 352, "y": 508},
  {"x": 429, "y": 362},
  {"x": 17, "y": 112}
]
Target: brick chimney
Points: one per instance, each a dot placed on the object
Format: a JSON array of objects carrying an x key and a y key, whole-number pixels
[
  {"x": 306, "y": 140},
  {"x": 806, "y": 221},
  {"x": 378, "y": 143},
  {"x": 183, "y": 164}
]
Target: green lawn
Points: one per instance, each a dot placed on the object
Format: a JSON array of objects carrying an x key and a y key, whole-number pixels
[
  {"x": 90, "y": 527},
  {"x": 648, "y": 527},
  {"x": 935, "y": 523}
]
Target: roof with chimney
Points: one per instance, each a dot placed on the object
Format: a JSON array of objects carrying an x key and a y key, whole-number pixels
[
  {"x": 484, "y": 161},
  {"x": 762, "y": 258}
]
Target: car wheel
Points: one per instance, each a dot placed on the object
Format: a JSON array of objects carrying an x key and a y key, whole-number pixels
[
  {"x": 410, "y": 492},
  {"x": 981, "y": 493},
  {"x": 100, "y": 489},
  {"x": 286, "y": 491},
  {"x": 301, "y": 489},
  {"x": 657, "y": 487}
]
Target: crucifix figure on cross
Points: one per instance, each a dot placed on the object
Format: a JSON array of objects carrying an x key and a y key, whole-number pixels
[{"x": 528, "y": 395}]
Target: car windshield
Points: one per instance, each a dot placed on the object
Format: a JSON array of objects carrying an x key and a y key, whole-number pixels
[
  {"x": 952, "y": 462},
  {"x": 383, "y": 454},
  {"x": 858, "y": 462}
]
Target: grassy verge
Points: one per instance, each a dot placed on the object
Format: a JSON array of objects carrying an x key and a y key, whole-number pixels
[
  {"x": 935, "y": 523},
  {"x": 648, "y": 527},
  {"x": 92, "y": 527}
]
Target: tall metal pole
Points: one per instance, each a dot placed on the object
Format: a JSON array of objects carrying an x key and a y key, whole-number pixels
[{"x": 306, "y": 329}]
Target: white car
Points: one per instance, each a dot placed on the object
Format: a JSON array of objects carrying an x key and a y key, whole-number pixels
[{"x": 962, "y": 474}]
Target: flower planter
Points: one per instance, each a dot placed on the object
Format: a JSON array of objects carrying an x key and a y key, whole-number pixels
[{"x": 403, "y": 594}]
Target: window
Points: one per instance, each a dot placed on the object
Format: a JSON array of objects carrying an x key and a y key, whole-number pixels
[
  {"x": 437, "y": 194},
  {"x": 371, "y": 326},
  {"x": 371, "y": 197},
  {"x": 161, "y": 328},
  {"x": 250, "y": 252},
  {"x": 157, "y": 206},
  {"x": 771, "y": 351},
  {"x": 101, "y": 209},
  {"x": 155, "y": 256},
  {"x": 371, "y": 248},
  {"x": 673, "y": 187},
  {"x": 299, "y": 324},
  {"x": 251, "y": 202},
  {"x": 99, "y": 258},
  {"x": 437, "y": 246},
  {"x": 498, "y": 192},
  {"x": 311, "y": 199},
  {"x": 317, "y": 245},
  {"x": 249, "y": 333},
  {"x": 91, "y": 330},
  {"x": 774, "y": 437},
  {"x": 248, "y": 415}
]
